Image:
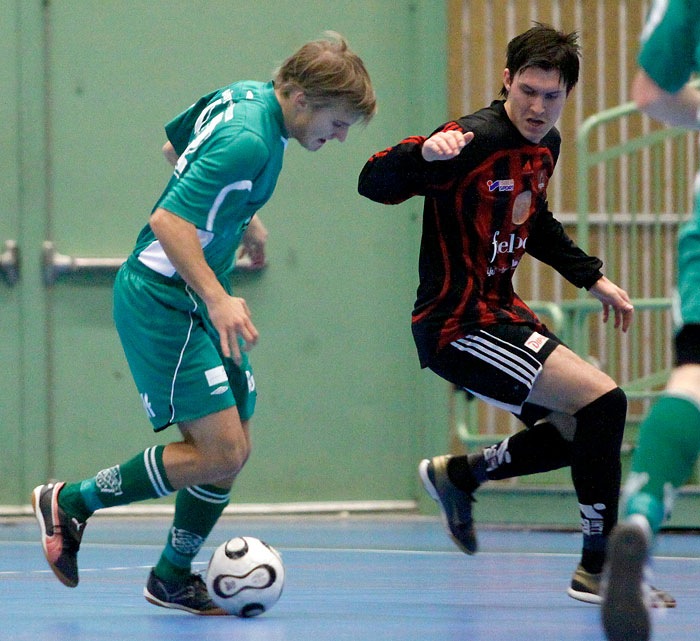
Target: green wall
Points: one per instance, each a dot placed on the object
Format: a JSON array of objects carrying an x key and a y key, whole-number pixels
[{"x": 344, "y": 413}]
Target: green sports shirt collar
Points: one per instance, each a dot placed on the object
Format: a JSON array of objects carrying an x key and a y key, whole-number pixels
[{"x": 275, "y": 107}]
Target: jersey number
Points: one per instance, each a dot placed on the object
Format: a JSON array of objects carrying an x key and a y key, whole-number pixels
[{"x": 204, "y": 127}]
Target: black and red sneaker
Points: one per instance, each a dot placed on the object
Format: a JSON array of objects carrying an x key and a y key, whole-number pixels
[{"x": 60, "y": 533}]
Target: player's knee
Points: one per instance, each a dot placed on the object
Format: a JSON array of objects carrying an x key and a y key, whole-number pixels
[
  {"x": 608, "y": 411},
  {"x": 615, "y": 403},
  {"x": 225, "y": 458},
  {"x": 233, "y": 456}
]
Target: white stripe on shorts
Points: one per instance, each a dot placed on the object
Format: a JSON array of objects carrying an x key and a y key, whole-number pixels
[
  {"x": 523, "y": 368},
  {"x": 479, "y": 346},
  {"x": 182, "y": 352}
]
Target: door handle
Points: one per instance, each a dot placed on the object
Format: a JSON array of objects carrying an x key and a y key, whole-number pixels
[
  {"x": 9, "y": 263},
  {"x": 55, "y": 264}
]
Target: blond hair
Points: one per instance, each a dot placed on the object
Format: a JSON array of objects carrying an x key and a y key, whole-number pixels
[{"x": 328, "y": 71}]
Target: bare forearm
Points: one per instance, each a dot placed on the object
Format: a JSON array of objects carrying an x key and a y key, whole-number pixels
[
  {"x": 181, "y": 244},
  {"x": 678, "y": 109}
]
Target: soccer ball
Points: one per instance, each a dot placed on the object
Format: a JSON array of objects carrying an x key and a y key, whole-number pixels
[{"x": 245, "y": 576}]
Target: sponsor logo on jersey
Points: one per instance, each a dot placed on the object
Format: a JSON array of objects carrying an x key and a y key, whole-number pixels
[
  {"x": 501, "y": 185},
  {"x": 506, "y": 246},
  {"x": 536, "y": 342}
]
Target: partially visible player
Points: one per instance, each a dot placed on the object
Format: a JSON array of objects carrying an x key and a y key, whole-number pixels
[
  {"x": 484, "y": 179},
  {"x": 183, "y": 331},
  {"x": 669, "y": 439}
]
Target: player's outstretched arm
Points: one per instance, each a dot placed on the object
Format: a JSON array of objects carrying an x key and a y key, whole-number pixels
[
  {"x": 679, "y": 109},
  {"x": 613, "y": 296},
  {"x": 445, "y": 145}
]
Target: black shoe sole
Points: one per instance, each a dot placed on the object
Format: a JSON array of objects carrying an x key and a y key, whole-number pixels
[{"x": 624, "y": 613}]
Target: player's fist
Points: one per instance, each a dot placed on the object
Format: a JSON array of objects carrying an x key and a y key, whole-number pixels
[{"x": 445, "y": 145}]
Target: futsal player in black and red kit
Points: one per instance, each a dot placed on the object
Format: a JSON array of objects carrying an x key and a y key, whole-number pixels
[{"x": 484, "y": 179}]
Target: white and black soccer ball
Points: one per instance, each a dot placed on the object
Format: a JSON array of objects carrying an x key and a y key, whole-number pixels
[{"x": 245, "y": 576}]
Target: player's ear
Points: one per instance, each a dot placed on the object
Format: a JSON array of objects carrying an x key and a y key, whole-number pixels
[
  {"x": 507, "y": 80},
  {"x": 300, "y": 101}
]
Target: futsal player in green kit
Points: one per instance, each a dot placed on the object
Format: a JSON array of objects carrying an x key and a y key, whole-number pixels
[
  {"x": 183, "y": 331},
  {"x": 669, "y": 440}
]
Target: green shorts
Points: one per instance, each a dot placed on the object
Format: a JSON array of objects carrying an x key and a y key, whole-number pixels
[{"x": 174, "y": 352}]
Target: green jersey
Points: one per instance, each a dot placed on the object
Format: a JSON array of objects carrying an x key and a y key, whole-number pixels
[
  {"x": 671, "y": 43},
  {"x": 231, "y": 144},
  {"x": 670, "y": 53}
]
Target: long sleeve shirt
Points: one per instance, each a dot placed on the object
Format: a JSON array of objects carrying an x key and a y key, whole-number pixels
[{"x": 484, "y": 209}]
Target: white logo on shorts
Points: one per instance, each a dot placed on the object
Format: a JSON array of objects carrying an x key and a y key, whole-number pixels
[
  {"x": 216, "y": 376},
  {"x": 251, "y": 381},
  {"x": 536, "y": 342},
  {"x": 147, "y": 405},
  {"x": 219, "y": 390}
]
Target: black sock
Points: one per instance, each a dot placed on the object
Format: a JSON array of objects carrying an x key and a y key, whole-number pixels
[
  {"x": 537, "y": 449},
  {"x": 466, "y": 472},
  {"x": 595, "y": 469},
  {"x": 592, "y": 560}
]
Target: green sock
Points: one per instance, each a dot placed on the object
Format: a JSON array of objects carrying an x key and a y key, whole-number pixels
[
  {"x": 197, "y": 509},
  {"x": 669, "y": 443},
  {"x": 142, "y": 477}
]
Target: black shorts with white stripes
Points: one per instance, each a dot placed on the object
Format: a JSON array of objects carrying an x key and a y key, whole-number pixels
[{"x": 498, "y": 363}]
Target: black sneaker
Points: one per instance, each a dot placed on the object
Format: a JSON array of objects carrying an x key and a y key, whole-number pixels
[
  {"x": 60, "y": 533},
  {"x": 587, "y": 587},
  {"x": 190, "y": 596},
  {"x": 455, "y": 504}
]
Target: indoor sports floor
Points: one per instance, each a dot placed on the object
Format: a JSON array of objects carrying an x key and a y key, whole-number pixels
[{"x": 370, "y": 578}]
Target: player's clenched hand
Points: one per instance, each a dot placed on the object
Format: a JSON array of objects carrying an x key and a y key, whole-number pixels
[
  {"x": 613, "y": 296},
  {"x": 231, "y": 318},
  {"x": 445, "y": 145},
  {"x": 253, "y": 242}
]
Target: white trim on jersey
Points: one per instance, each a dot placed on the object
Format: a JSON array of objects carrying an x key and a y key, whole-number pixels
[
  {"x": 524, "y": 369},
  {"x": 155, "y": 258},
  {"x": 239, "y": 185}
]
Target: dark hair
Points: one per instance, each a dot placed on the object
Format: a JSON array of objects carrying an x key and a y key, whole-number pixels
[
  {"x": 327, "y": 70},
  {"x": 546, "y": 48}
]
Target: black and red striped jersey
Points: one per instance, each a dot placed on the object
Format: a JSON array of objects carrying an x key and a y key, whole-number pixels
[{"x": 483, "y": 211}]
